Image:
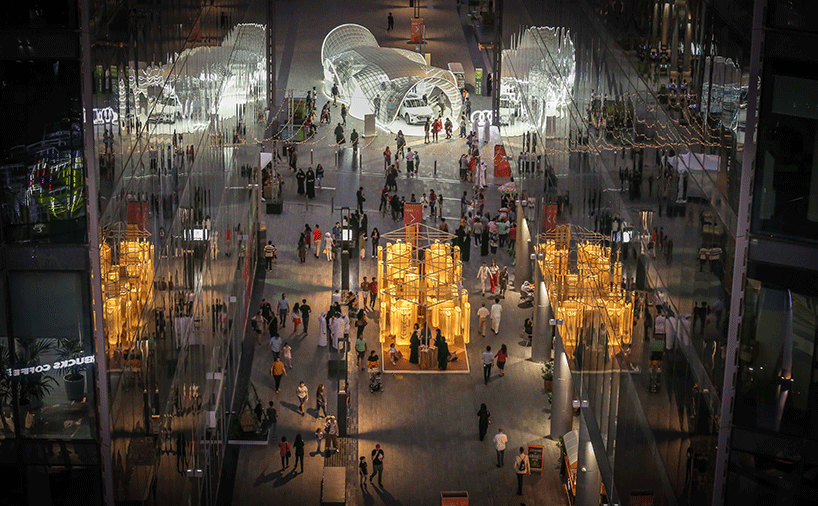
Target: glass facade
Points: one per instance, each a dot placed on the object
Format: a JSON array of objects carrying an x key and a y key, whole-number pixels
[
  {"x": 775, "y": 422},
  {"x": 648, "y": 152},
  {"x": 176, "y": 107}
]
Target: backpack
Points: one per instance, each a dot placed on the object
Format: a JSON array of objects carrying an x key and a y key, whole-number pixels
[{"x": 521, "y": 465}]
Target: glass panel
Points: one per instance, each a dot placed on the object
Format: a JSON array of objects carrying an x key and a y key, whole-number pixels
[
  {"x": 53, "y": 367},
  {"x": 43, "y": 168},
  {"x": 786, "y": 202},
  {"x": 777, "y": 385}
]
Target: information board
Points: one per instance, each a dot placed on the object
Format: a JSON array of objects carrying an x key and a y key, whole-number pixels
[
  {"x": 535, "y": 458},
  {"x": 478, "y": 81}
]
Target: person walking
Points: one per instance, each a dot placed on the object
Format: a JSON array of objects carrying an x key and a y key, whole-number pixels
[
  {"x": 320, "y": 402},
  {"x": 484, "y": 275},
  {"x": 360, "y": 349},
  {"x": 283, "y": 307},
  {"x": 303, "y": 396},
  {"x": 344, "y": 114},
  {"x": 316, "y": 240},
  {"x": 500, "y": 442},
  {"x": 278, "y": 370},
  {"x": 390, "y": 22},
  {"x": 522, "y": 467},
  {"x": 331, "y": 431},
  {"x": 284, "y": 450},
  {"x": 503, "y": 281},
  {"x": 275, "y": 346},
  {"x": 272, "y": 422},
  {"x": 359, "y": 196},
  {"x": 373, "y": 292},
  {"x": 269, "y": 254},
  {"x": 298, "y": 445},
  {"x": 482, "y": 314},
  {"x": 501, "y": 356},
  {"x": 365, "y": 293},
  {"x": 334, "y": 94},
  {"x": 496, "y": 315},
  {"x": 305, "y": 315},
  {"x": 287, "y": 355},
  {"x": 362, "y": 471},
  {"x": 483, "y": 421},
  {"x": 377, "y": 464},
  {"x": 488, "y": 360}
]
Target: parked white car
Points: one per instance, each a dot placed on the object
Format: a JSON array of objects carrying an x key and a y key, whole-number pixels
[{"x": 415, "y": 110}]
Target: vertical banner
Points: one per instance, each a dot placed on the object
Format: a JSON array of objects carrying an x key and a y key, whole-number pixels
[
  {"x": 412, "y": 213},
  {"x": 501, "y": 166},
  {"x": 549, "y": 222},
  {"x": 139, "y": 215},
  {"x": 416, "y": 30},
  {"x": 98, "y": 77},
  {"x": 478, "y": 82}
]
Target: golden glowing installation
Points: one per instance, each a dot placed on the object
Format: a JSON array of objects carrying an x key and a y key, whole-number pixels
[
  {"x": 584, "y": 285},
  {"x": 420, "y": 280},
  {"x": 127, "y": 280}
]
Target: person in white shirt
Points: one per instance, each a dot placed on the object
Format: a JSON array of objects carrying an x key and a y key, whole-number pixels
[
  {"x": 488, "y": 360},
  {"x": 482, "y": 314},
  {"x": 484, "y": 275},
  {"x": 496, "y": 314},
  {"x": 500, "y": 441},
  {"x": 522, "y": 467}
]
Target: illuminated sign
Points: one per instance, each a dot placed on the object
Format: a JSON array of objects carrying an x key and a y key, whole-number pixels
[
  {"x": 59, "y": 364},
  {"x": 105, "y": 116}
]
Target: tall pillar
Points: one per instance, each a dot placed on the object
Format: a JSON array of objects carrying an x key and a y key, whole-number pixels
[
  {"x": 589, "y": 481},
  {"x": 688, "y": 40},
  {"x": 541, "y": 342},
  {"x": 665, "y": 22},
  {"x": 674, "y": 44},
  {"x": 657, "y": 7},
  {"x": 522, "y": 249},
  {"x": 562, "y": 411}
]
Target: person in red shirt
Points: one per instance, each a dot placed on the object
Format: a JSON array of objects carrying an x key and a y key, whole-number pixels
[
  {"x": 373, "y": 292},
  {"x": 316, "y": 240},
  {"x": 501, "y": 356}
]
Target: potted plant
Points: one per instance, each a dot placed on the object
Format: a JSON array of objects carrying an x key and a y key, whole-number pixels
[
  {"x": 68, "y": 348},
  {"x": 548, "y": 375},
  {"x": 33, "y": 388}
]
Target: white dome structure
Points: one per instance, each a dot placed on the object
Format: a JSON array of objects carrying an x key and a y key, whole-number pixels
[{"x": 377, "y": 80}]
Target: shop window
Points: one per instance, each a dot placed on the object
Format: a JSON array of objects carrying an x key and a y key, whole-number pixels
[
  {"x": 786, "y": 193},
  {"x": 52, "y": 362},
  {"x": 777, "y": 385}
]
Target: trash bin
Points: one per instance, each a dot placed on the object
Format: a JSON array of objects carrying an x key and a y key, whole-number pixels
[{"x": 460, "y": 498}]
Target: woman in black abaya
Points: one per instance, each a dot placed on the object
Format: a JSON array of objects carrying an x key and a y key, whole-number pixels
[
  {"x": 310, "y": 183},
  {"x": 442, "y": 351},
  {"x": 300, "y": 177}
]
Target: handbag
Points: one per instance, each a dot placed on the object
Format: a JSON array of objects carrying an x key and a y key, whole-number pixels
[{"x": 289, "y": 454}]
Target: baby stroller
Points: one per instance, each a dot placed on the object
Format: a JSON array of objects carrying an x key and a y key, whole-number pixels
[
  {"x": 527, "y": 294},
  {"x": 375, "y": 383}
]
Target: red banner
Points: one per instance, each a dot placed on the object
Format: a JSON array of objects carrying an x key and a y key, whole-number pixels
[
  {"x": 501, "y": 166},
  {"x": 412, "y": 213},
  {"x": 549, "y": 223},
  {"x": 139, "y": 214},
  {"x": 416, "y": 30}
]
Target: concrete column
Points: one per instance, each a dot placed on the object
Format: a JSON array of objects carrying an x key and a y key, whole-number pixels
[
  {"x": 656, "y": 9},
  {"x": 688, "y": 37},
  {"x": 522, "y": 249},
  {"x": 665, "y": 22},
  {"x": 589, "y": 480},
  {"x": 674, "y": 44},
  {"x": 562, "y": 411},
  {"x": 541, "y": 342}
]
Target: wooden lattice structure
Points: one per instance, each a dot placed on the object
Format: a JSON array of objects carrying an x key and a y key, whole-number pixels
[
  {"x": 584, "y": 286},
  {"x": 420, "y": 281}
]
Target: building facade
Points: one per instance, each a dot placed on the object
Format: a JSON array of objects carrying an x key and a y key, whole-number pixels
[{"x": 129, "y": 218}]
